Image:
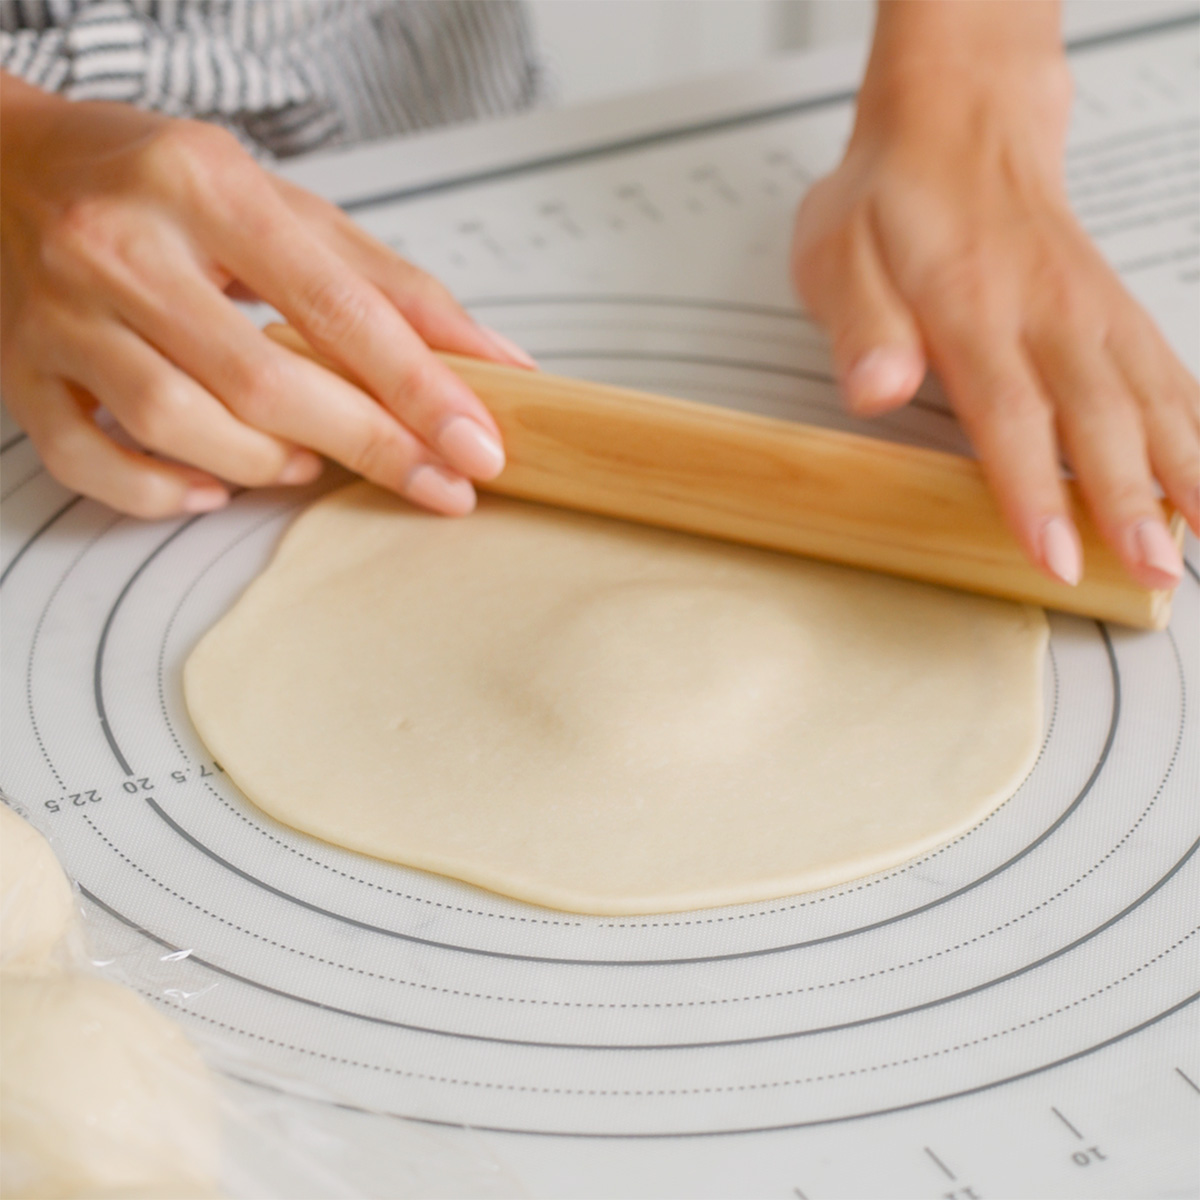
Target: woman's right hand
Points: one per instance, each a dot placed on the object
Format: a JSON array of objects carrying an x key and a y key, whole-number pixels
[{"x": 124, "y": 234}]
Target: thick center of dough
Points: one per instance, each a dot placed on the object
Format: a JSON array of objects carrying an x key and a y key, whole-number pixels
[{"x": 653, "y": 670}]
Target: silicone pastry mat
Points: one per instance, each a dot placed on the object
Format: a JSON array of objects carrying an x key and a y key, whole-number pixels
[{"x": 1007, "y": 1015}]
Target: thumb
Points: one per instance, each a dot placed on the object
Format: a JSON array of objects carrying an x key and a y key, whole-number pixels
[{"x": 877, "y": 347}]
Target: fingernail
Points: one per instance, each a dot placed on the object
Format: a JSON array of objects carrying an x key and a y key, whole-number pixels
[
  {"x": 471, "y": 448},
  {"x": 433, "y": 488},
  {"x": 204, "y": 499},
  {"x": 301, "y": 467},
  {"x": 1156, "y": 548},
  {"x": 882, "y": 374},
  {"x": 1061, "y": 552},
  {"x": 510, "y": 349}
]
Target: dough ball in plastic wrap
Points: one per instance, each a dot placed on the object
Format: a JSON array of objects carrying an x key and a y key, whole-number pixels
[
  {"x": 100, "y": 1095},
  {"x": 37, "y": 907}
]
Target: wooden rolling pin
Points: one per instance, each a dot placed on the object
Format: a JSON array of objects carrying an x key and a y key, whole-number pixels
[{"x": 781, "y": 485}]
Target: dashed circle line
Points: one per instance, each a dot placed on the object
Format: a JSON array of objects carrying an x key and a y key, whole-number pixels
[
  {"x": 1045, "y": 742},
  {"x": 626, "y": 1093},
  {"x": 455, "y": 947},
  {"x": 683, "y": 1004}
]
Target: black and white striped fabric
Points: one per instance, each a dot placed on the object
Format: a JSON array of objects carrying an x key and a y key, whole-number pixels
[{"x": 286, "y": 75}]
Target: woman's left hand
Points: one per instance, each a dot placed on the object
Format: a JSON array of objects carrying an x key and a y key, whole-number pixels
[{"x": 945, "y": 238}]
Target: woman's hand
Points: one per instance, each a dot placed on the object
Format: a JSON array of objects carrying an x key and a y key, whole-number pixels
[
  {"x": 945, "y": 238},
  {"x": 123, "y": 236}
]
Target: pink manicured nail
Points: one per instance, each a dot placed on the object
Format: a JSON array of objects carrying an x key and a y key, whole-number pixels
[
  {"x": 302, "y": 467},
  {"x": 204, "y": 499},
  {"x": 433, "y": 488},
  {"x": 1061, "y": 552},
  {"x": 510, "y": 349},
  {"x": 471, "y": 448},
  {"x": 882, "y": 375},
  {"x": 1156, "y": 548}
]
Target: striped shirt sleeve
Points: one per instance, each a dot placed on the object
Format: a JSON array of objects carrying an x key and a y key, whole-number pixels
[{"x": 286, "y": 75}]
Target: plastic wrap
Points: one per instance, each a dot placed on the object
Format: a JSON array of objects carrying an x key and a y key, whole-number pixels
[{"x": 103, "y": 1093}]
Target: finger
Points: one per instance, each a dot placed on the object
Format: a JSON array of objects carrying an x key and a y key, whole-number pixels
[
  {"x": 877, "y": 347},
  {"x": 346, "y": 318},
  {"x": 1011, "y": 425},
  {"x": 82, "y": 457},
  {"x": 426, "y": 303},
  {"x": 1169, "y": 398},
  {"x": 273, "y": 390},
  {"x": 1103, "y": 433},
  {"x": 319, "y": 408},
  {"x": 166, "y": 410}
]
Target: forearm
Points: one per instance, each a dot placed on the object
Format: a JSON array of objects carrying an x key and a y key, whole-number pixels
[
  {"x": 18, "y": 97},
  {"x": 974, "y": 33},
  {"x": 27, "y": 114}
]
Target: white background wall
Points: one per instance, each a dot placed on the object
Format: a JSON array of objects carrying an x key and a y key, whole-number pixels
[{"x": 600, "y": 47}]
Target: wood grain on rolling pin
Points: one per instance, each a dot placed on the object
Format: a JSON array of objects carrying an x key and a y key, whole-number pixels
[{"x": 778, "y": 484}]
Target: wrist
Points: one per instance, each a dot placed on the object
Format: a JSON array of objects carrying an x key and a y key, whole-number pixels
[{"x": 936, "y": 58}]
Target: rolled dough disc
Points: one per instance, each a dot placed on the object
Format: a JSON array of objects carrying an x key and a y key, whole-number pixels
[{"x": 608, "y": 719}]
